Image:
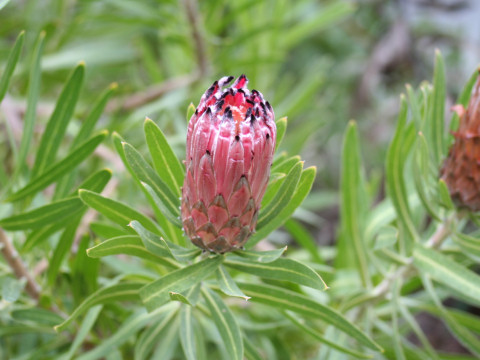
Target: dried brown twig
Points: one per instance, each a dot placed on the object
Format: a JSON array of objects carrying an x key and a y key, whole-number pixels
[{"x": 16, "y": 264}]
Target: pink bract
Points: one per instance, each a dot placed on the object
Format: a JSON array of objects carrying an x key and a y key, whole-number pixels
[{"x": 230, "y": 146}]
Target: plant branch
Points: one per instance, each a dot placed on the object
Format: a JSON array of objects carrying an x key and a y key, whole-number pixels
[
  {"x": 435, "y": 241},
  {"x": 16, "y": 264},
  {"x": 193, "y": 15}
]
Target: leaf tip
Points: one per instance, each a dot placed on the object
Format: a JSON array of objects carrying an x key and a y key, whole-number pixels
[{"x": 113, "y": 86}]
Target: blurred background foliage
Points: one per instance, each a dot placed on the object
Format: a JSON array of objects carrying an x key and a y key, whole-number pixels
[{"x": 320, "y": 63}]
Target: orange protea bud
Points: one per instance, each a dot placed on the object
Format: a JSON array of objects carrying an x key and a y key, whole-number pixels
[
  {"x": 461, "y": 170},
  {"x": 230, "y": 145}
]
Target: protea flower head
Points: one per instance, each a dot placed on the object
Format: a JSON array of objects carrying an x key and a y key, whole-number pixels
[
  {"x": 230, "y": 145},
  {"x": 461, "y": 170}
]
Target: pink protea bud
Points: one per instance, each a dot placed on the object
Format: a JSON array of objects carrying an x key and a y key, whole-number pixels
[{"x": 230, "y": 146}]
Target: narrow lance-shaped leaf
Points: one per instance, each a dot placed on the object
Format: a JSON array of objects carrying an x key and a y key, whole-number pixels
[
  {"x": 116, "y": 211},
  {"x": 43, "y": 215},
  {"x": 281, "y": 129},
  {"x": 396, "y": 156},
  {"x": 262, "y": 256},
  {"x": 226, "y": 324},
  {"x": 437, "y": 109},
  {"x": 351, "y": 202},
  {"x": 280, "y": 269},
  {"x": 56, "y": 126},
  {"x": 128, "y": 245},
  {"x": 171, "y": 231},
  {"x": 55, "y": 171},
  {"x": 463, "y": 335},
  {"x": 65, "y": 184},
  {"x": 146, "y": 174},
  {"x": 288, "y": 300},
  {"x": 227, "y": 284},
  {"x": 162, "y": 247},
  {"x": 96, "y": 182},
  {"x": 319, "y": 337},
  {"x": 156, "y": 293},
  {"x": 165, "y": 161},
  {"x": 155, "y": 333},
  {"x": 32, "y": 99},
  {"x": 187, "y": 334},
  {"x": 301, "y": 192},
  {"x": 447, "y": 272},
  {"x": 113, "y": 293},
  {"x": 11, "y": 64}
]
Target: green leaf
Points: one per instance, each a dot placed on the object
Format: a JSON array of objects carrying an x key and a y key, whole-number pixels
[
  {"x": 352, "y": 208},
  {"x": 280, "y": 201},
  {"x": 469, "y": 244},
  {"x": 95, "y": 182},
  {"x": 153, "y": 335},
  {"x": 226, "y": 324},
  {"x": 288, "y": 300},
  {"x": 85, "y": 328},
  {"x": 421, "y": 165},
  {"x": 463, "y": 335},
  {"x": 57, "y": 170},
  {"x": 281, "y": 129},
  {"x": 301, "y": 192},
  {"x": 131, "y": 325},
  {"x": 61, "y": 250},
  {"x": 165, "y": 161},
  {"x": 190, "y": 111},
  {"x": 444, "y": 193},
  {"x": 395, "y": 163},
  {"x": 129, "y": 245},
  {"x": 84, "y": 133},
  {"x": 160, "y": 204},
  {"x": 174, "y": 296},
  {"x": 116, "y": 211},
  {"x": 56, "y": 126},
  {"x": 171, "y": 231},
  {"x": 303, "y": 237},
  {"x": 280, "y": 269},
  {"x": 44, "y": 215},
  {"x": 387, "y": 236},
  {"x": 261, "y": 256},
  {"x": 300, "y": 323},
  {"x": 251, "y": 353},
  {"x": 463, "y": 99},
  {"x": 227, "y": 285},
  {"x": 447, "y": 272},
  {"x": 169, "y": 201},
  {"x": 11, "y": 64},
  {"x": 108, "y": 294},
  {"x": 436, "y": 114},
  {"x": 32, "y": 99},
  {"x": 106, "y": 231},
  {"x": 36, "y": 315},
  {"x": 187, "y": 334},
  {"x": 161, "y": 247},
  {"x": 156, "y": 293}
]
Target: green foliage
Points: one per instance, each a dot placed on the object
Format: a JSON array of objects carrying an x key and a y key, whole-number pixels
[{"x": 94, "y": 263}]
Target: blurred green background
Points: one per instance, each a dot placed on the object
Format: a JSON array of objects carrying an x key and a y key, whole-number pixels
[{"x": 320, "y": 63}]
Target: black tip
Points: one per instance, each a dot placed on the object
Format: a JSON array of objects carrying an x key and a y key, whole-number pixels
[
  {"x": 208, "y": 152},
  {"x": 237, "y": 137},
  {"x": 269, "y": 106},
  {"x": 268, "y": 136},
  {"x": 230, "y": 78},
  {"x": 248, "y": 113},
  {"x": 250, "y": 102},
  {"x": 220, "y": 104}
]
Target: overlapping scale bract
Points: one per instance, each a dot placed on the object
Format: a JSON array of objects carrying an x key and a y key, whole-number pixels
[
  {"x": 230, "y": 146},
  {"x": 461, "y": 170}
]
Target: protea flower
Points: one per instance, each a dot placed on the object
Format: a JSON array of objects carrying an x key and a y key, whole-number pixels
[
  {"x": 461, "y": 170},
  {"x": 230, "y": 145}
]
